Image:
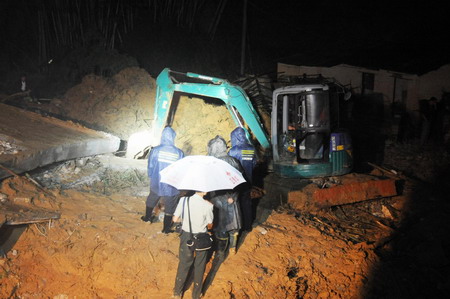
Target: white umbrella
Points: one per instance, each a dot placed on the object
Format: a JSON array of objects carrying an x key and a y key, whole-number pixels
[{"x": 201, "y": 173}]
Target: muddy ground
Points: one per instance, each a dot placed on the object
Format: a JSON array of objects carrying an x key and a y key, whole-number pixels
[{"x": 99, "y": 248}]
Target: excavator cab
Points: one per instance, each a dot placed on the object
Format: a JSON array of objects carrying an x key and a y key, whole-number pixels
[{"x": 307, "y": 141}]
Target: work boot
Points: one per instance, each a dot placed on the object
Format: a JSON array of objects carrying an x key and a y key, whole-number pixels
[
  {"x": 233, "y": 238},
  {"x": 167, "y": 224},
  {"x": 148, "y": 215}
]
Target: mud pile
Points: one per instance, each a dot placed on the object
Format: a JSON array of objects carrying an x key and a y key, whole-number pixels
[
  {"x": 196, "y": 122},
  {"x": 426, "y": 163},
  {"x": 119, "y": 105},
  {"x": 123, "y": 105},
  {"x": 101, "y": 249}
]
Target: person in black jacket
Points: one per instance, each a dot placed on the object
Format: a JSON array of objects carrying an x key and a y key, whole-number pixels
[
  {"x": 227, "y": 218},
  {"x": 245, "y": 152}
]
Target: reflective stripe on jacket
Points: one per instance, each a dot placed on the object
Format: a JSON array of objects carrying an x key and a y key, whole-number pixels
[
  {"x": 160, "y": 157},
  {"x": 243, "y": 151}
]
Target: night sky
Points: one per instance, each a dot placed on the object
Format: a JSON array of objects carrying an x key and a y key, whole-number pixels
[
  {"x": 402, "y": 35},
  {"x": 405, "y": 36}
]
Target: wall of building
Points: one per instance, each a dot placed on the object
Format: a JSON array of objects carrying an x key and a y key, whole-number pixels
[
  {"x": 384, "y": 81},
  {"x": 434, "y": 83},
  {"x": 393, "y": 87}
]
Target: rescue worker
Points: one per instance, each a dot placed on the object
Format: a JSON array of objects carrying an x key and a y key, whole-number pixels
[
  {"x": 201, "y": 217},
  {"x": 160, "y": 157},
  {"x": 242, "y": 150},
  {"x": 227, "y": 221}
]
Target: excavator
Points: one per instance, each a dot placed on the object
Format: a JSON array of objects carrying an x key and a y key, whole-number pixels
[{"x": 306, "y": 141}]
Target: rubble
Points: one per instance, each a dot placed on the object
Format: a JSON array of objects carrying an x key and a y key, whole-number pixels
[{"x": 100, "y": 248}]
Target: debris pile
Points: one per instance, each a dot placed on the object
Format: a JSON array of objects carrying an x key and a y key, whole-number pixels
[
  {"x": 100, "y": 239},
  {"x": 100, "y": 247},
  {"x": 123, "y": 105},
  {"x": 425, "y": 163},
  {"x": 120, "y": 105}
]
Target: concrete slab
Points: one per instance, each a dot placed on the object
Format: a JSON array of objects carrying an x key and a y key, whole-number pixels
[{"x": 29, "y": 140}]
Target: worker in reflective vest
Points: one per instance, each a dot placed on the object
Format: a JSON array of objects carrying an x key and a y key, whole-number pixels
[{"x": 245, "y": 152}]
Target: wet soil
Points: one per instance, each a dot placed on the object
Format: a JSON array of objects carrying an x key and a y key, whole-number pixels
[{"x": 99, "y": 248}]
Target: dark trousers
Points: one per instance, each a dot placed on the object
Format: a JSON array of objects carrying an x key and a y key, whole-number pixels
[
  {"x": 188, "y": 259},
  {"x": 170, "y": 202},
  {"x": 246, "y": 209}
]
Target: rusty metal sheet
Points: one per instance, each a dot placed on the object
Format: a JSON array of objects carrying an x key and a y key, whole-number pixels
[{"x": 354, "y": 192}]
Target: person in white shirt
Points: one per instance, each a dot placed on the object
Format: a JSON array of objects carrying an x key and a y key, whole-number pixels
[
  {"x": 23, "y": 83},
  {"x": 200, "y": 211}
]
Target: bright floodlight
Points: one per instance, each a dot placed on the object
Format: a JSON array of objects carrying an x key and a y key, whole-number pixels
[{"x": 137, "y": 143}]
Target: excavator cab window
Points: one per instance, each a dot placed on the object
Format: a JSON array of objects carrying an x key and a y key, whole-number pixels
[
  {"x": 314, "y": 132},
  {"x": 295, "y": 112},
  {"x": 287, "y": 124},
  {"x": 304, "y": 120}
]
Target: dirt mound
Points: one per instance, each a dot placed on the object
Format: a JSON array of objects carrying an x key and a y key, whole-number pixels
[
  {"x": 119, "y": 105},
  {"x": 101, "y": 249},
  {"x": 284, "y": 258},
  {"x": 196, "y": 122},
  {"x": 123, "y": 105},
  {"x": 426, "y": 163}
]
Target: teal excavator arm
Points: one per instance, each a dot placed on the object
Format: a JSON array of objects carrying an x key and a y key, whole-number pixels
[{"x": 234, "y": 97}]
